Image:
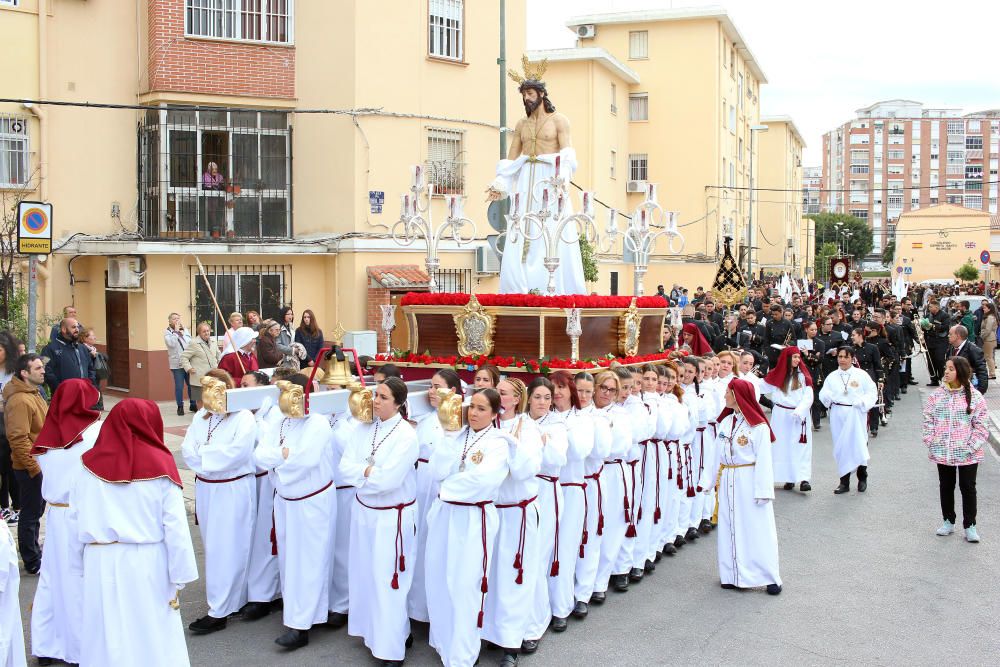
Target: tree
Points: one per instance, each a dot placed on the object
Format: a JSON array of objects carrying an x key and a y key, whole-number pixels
[
  {"x": 823, "y": 255},
  {"x": 967, "y": 272},
  {"x": 13, "y": 301},
  {"x": 889, "y": 254},
  {"x": 860, "y": 242},
  {"x": 590, "y": 273}
]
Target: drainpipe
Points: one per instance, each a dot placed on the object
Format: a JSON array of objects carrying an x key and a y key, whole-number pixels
[{"x": 43, "y": 154}]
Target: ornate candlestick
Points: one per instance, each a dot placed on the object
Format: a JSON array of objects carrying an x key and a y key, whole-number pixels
[
  {"x": 574, "y": 330},
  {"x": 388, "y": 325}
]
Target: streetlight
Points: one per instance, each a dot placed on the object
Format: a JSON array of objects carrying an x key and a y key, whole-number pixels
[{"x": 751, "y": 241}]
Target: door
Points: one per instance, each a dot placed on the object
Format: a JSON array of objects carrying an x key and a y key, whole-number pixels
[{"x": 116, "y": 311}]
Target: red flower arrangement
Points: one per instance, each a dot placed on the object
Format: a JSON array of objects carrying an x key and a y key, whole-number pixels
[
  {"x": 543, "y": 366},
  {"x": 531, "y": 300}
]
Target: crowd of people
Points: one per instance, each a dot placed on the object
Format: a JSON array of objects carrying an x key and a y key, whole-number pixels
[{"x": 493, "y": 525}]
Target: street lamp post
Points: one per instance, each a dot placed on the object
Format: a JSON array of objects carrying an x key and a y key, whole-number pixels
[{"x": 751, "y": 237}]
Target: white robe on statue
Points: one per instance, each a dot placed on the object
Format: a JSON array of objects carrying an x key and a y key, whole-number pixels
[
  {"x": 614, "y": 487},
  {"x": 598, "y": 425},
  {"x": 522, "y": 179},
  {"x": 429, "y": 436},
  {"x": 305, "y": 508},
  {"x": 11, "y": 632},
  {"x": 514, "y": 566},
  {"x": 135, "y": 553},
  {"x": 461, "y": 528},
  {"x": 219, "y": 450},
  {"x": 848, "y": 396},
  {"x": 747, "y": 537},
  {"x": 263, "y": 579},
  {"x": 343, "y": 428},
  {"x": 790, "y": 420},
  {"x": 383, "y": 533},
  {"x": 56, "y": 613}
]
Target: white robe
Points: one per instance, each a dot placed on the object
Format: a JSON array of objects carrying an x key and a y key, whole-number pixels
[
  {"x": 614, "y": 483},
  {"x": 599, "y": 425},
  {"x": 429, "y": 436},
  {"x": 460, "y": 539},
  {"x": 849, "y": 425},
  {"x": 226, "y": 510},
  {"x": 135, "y": 553},
  {"x": 692, "y": 446},
  {"x": 747, "y": 538},
  {"x": 263, "y": 578},
  {"x": 642, "y": 426},
  {"x": 383, "y": 533},
  {"x": 790, "y": 418},
  {"x": 520, "y": 176},
  {"x": 512, "y": 588},
  {"x": 572, "y": 505},
  {"x": 343, "y": 428},
  {"x": 11, "y": 632},
  {"x": 56, "y": 613},
  {"x": 305, "y": 508},
  {"x": 646, "y": 495},
  {"x": 678, "y": 424}
]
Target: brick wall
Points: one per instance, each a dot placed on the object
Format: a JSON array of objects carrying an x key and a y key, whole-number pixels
[
  {"x": 219, "y": 67},
  {"x": 377, "y": 296}
]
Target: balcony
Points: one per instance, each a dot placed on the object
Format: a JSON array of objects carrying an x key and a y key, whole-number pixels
[{"x": 448, "y": 176}]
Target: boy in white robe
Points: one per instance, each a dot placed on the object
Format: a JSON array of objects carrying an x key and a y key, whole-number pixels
[
  {"x": 590, "y": 545},
  {"x": 848, "y": 394}
]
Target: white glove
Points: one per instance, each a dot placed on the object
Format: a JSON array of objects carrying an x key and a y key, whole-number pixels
[{"x": 762, "y": 501}]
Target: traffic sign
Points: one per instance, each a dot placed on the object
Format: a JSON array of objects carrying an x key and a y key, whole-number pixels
[
  {"x": 34, "y": 229},
  {"x": 899, "y": 269},
  {"x": 908, "y": 270},
  {"x": 984, "y": 257}
]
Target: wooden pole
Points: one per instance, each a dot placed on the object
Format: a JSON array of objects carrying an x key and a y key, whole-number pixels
[{"x": 222, "y": 318}]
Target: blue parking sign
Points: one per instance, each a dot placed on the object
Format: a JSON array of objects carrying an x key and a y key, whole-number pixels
[{"x": 376, "y": 198}]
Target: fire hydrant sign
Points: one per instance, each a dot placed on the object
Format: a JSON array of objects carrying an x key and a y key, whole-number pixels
[{"x": 34, "y": 228}]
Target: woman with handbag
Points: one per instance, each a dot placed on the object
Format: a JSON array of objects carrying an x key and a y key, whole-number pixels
[{"x": 102, "y": 369}]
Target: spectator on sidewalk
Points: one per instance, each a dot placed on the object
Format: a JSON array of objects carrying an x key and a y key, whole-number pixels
[
  {"x": 88, "y": 338},
  {"x": 10, "y": 502},
  {"x": 959, "y": 345},
  {"x": 955, "y": 433},
  {"x": 309, "y": 335},
  {"x": 200, "y": 356},
  {"x": 235, "y": 322},
  {"x": 238, "y": 364},
  {"x": 24, "y": 414},
  {"x": 988, "y": 334},
  {"x": 287, "y": 334},
  {"x": 267, "y": 345},
  {"x": 68, "y": 311},
  {"x": 253, "y": 320},
  {"x": 177, "y": 339},
  {"x": 67, "y": 357}
]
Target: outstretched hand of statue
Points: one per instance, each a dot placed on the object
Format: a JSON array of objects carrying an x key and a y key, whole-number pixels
[{"x": 492, "y": 194}]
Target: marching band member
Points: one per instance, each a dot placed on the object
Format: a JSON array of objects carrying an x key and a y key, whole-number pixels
[
  {"x": 379, "y": 463},
  {"x": 133, "y": 544},
  {"x": 218, "y": 448},
  {"x": 617, "y": 513},
  {"x": 70, "y": 429},
  {"x": 515, "y": 568},
  {"x": 789, "y": 384},
  {"x": 671, "y": 473},
  {"x": 853, "y": 393},
  {"x": 470, "y": 467},
  {"x": 747, "y": 538},
  {"x": 297, "y": 448}
]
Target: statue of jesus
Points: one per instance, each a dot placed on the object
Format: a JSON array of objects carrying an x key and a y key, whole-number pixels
[{"x": 540, "y": 149}]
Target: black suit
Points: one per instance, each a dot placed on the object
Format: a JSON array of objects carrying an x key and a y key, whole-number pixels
[
  {"x": 937, "y": 341},
  {"x": 814, "y": 362},
  {"x": 974, "y": 355},
  {"x": 870, "y": 361},
  {"x": 776, "y": 332}
]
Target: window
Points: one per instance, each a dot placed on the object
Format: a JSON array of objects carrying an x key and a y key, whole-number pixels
[
  {"x": 859, "y": 157},
  {"x": 859, "y": 185},
  {"x": 974, "y": 201},
  {"x": 862, "y": 139},
  {"x": 638, "y": 164},
  {"x": 973, "y": 143},
  {"x": 956, "y": 157},
  {"x": 15, "y": 162},
  {"x": 895, "y": 170},
  {"x": 895, "y": 201},
  {"x": 264, "y": 288},
  {"x": 614, "y": 99},
  {"x": 741, "y": 149},
  {"x": 973, "y": 171},
  {"x": 956, "y": 127},
  {"x": 973, "y": 127},
  {"x": 638, "y": 44},
  {"x": 739, "y": 89},
  {"x": 732, "y": 61},
  {"x": 895, "y": 155},
  {"x": 732, "y": 119},
  {"x": 638, "y": 107},
  {"x": 732, "y": 175},
  {"x": 859, "y": 168},
  {"x": 860, "y": 213},
  {"x": 725, "y": 46},
  {"x": 445, "y": 168},
  {"x": 952, "y": 184},
  {"x": 614, "y": 161},
  {"x": 217, "y": 173},
  {"x": 444, "y": 19},
  {"x": 245, "y": 20}
]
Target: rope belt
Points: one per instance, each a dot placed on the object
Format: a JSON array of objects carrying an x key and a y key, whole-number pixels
[
  {"x": 630, "y": 530},
  {"x": 688, "y": 461},
  {"x": 680, "y": 467},
  {"x": 274, "y": 533},
  {"x": 102, "y": 544},
  {"x": 484, "y": 587},
  {"x": 718, "y": 483},
  {"x": 345, "y": 486},
  {"x": 58, "y": 504},
  {"x": 215, "y": 481},
  {"x": 554, "y": 481},
  {"x": 583, "y": 487},
  {"x": 600, "y": 505},
  {"x": 419, "y": 461},
  {"x": 844, "y": 405},
  {"x": 656, "y": 509},
  {"x": 519, "y": 556},
  {"x": 399, "y": 562},
  {"x": 261, "y": 474},
  {"x": 802, "y": 435}
]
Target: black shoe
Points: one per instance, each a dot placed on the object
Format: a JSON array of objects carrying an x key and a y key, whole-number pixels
[
  {"x": 862, "y": 485},
  {"x": 817, "y": 427},
  {"x": 705, "y": 527},
  {"x": 180, "y": 410},
  {"x": 580, "y": 609},
  {"x": 392, "y": 663},
  {"x": 789, "y": 486},
  {"x": 619, "y": 582},
  {"x": 679, "y": 542},
  {"x": 805, "y": 486},
  {"x": 873, "y": 434},
  {"x": 635, "y": 574},
  {"x": 193, "y": 408},
  {"x": 656, "y": 557},
  {"x": 558, "y": 624},
  {"x": 409, "y": 641},
  {"x": 729, "y": 587},
  {"x": 293, "y": 639},
  {"x": 529, "y": 646},
  {"x": 336, "y": 620},
  {"x": 691, "y": 535},
  {"x": 932, "y": 384},
  {"x": 669, "y": 549},
  {"x": 843, "y": 488},
  {"x": 33, "y": 569},
  {"x": 773, "y": 589},
  {"x": 508, "y": 660},
  {"x": 649, "y": 567},
  {"x": 256, "y": 610},
  {"x": 46, "y": 661},
  {"x": 903, "y": 390},
  {"x": 207, "y": 625},
  {"x": 598, "y": 598},
  {"x": 913, "y": 382}
]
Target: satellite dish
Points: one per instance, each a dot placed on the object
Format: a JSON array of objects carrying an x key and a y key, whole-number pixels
[{"x": 496, "y": 214}]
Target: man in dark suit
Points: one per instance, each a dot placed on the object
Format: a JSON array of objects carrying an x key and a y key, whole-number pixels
[
  {"x": 936, "y": 337},
  {"x": 868, "y": 359},
  {"x": 961, "y": 346}
]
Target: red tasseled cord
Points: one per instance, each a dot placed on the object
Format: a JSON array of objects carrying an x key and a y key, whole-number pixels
[
  {"x": 802, "y": 438},
  {"x": 517, "y": 561},
  {"x": 520, "y": 577},
  {"x": 395, "y": 582},
  {"x": 484, "y": 587},
  {"x": 402, "y": 563},
  {"x": 631, "y": 530},
  {"x": 274, "y": 536},
  {"x": 479, "y": 623},
  {"x": 554, "y": 571}
]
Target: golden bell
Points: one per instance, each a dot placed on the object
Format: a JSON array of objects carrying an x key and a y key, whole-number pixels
[
  {"x": 450, "y": 412},
  {"x": 336, "y": 371},
  {"x": 361, "y": 402}
]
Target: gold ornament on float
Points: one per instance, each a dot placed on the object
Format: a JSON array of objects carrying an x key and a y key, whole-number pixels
[
  {"x": 628, "y": 331},
  {"x": 361, "y": 403},
  {"x": 450, "y": 412},
  {"x": 213, "y": 395},
  {"x": 292, "y": 399},
  {"x": 474, "y": 327}
]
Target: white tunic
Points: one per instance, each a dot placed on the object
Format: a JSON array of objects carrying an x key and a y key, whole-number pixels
[
  {"x": 343, "y": 428},
  {"x": 219, "y": 450},
  {"x": 790, "y": 420},
  {"x": 56, "y": 613},
  {"x": 135, "y": 553},
  {"x": 429, "y": 436},
  {"x": 11, "y": 633},
  {"x": 263, "y": 578},
  {"x": 305, "y": 508},
  {"x": 461, "y": 527},
  {"x": 674, "y": 422},
  {"x": 515, "y": 568},
  {"x": 849, "y": 395},
  {"x": 617, "y": 506},
  {"x": 599, "y": 425},
  {"x": 699, "y": 407},
  {"x": 747, "y": 538},
  {"x": 649, "y": 514},
  {"x": 383, "y": 532},
  {"x": 573, "y": 507}
]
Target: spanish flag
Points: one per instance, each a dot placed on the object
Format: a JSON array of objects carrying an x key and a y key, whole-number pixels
[{"x": 917, "y": 245}]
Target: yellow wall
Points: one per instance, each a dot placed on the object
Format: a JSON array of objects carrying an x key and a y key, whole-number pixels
[
  {"x": 778, "y": 215},
  {"x": 937, "y": 256}
]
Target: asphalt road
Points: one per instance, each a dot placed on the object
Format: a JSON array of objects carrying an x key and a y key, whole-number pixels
[{"x": 866, "y": 580}]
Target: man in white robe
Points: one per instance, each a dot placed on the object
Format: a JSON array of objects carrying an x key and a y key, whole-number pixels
[{"x": 848, "y": 394}]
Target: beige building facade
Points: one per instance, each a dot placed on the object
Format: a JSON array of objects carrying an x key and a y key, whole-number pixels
[
  {"x": 782, "y": 243},
  {"x": 932, "y": 242}
]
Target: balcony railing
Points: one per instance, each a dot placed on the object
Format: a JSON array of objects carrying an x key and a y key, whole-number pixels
[{"x": 448, "y": 176}]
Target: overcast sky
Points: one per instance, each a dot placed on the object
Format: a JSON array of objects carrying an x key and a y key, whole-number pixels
[{"x": 824, "y": 59}]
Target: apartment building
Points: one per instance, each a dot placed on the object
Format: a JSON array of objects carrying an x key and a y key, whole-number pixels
[
  {"x": 244, "y": 157},
  {"x": 812, "y": 184},
  {"x": 898, "y": 156},
  {"x": 778, "y": 210},
  {"x": 667, "y": 97}
]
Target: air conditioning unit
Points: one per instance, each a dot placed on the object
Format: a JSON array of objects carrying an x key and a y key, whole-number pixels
[
  {"x": 588, "y": 31},
  {"x": 125, "y": 273},
  {"x": 635, "y": 186},
  {"x": 487, "y": 261}
]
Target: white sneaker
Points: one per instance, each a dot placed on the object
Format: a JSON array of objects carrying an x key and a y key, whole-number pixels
[
  {"x": 971, "y": 534},
  {"x": 947, "y": 528}
]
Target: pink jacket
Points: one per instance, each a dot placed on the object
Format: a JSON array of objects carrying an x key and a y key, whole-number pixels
[{"x": 952, "y": 436}]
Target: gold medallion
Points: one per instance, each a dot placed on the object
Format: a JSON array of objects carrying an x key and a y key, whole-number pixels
[
  {"x": 476, "y": 458},
  {"x": 854, "y": 383},
  {"x": 742, "y": 441}
]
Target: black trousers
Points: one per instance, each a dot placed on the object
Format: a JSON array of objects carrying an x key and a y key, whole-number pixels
[
  {"x": 9, "y": 496},
  {"x": 967, "y": 483},
  {"x": 32, "y": 508},
  {"x": 817, "y": 406},
  {"x": 938, "y": 352},
  {"x": 862, "y": 475}
]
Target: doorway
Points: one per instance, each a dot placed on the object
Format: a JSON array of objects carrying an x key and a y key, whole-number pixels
[{"x": 116, "y": 312}]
